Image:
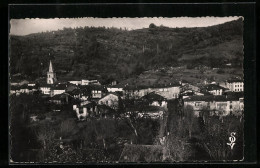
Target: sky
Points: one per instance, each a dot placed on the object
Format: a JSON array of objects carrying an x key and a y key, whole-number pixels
[{"x": 28, "y": 26}]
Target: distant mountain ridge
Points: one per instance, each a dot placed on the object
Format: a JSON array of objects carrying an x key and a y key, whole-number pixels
[{"x": 111, "y": 53}]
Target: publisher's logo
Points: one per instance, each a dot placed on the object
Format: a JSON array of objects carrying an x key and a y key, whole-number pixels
[{"x": 232, "y": 140}]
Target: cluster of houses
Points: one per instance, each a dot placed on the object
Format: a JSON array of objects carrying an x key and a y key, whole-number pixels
[{"x": 90, "y": 98}]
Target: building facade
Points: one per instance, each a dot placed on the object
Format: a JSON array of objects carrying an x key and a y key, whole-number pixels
[
  {"x": 235, "y": 85},
  {"x": 110, "y": 100}
]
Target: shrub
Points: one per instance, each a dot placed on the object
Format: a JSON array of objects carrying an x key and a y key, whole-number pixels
[{"x": 220, "y": 71}]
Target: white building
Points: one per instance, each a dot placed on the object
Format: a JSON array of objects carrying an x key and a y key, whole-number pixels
[
  {"x": 110, "y": 100},
  {"x": 214, "y": 89},
  {"x": 75, "y": 82},
  {"x": 220, "y": 105},
  {"x": 115, "y": 88},
  {"x": 58, "y": 89},
  {"x": 235, "y": 85},
  {"x": 45, "y": 89},
  {"x": 89, "y": 82}
]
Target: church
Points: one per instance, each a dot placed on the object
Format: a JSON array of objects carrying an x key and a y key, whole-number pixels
[
  {"x": 51, "y": 79},
  {"x": 51, "y": 75}
]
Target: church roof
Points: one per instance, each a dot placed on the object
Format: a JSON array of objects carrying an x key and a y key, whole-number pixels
[{"x": 50, "y": 67}]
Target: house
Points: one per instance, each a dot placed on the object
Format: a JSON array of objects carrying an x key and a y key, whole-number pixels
[
  {"x": 135, "y": 91},
  {"x": 105, "y": 111},
  {"x": 45, "y": 89},
  {"x": 171, "y": 91},
  {"x": 115, "y": 88},
  {"x": 75, "y": 82},
  {"x": 114, "y": 82},
  {"x": 217, "y": 105},
  {"x": 97, "y": 91},
  {"x": 89, "y": 82},
  {"x": 60, "y": 99},
  {"x": 15, "y": 89},
  {"x": 24, "y": 89},
  {"x": 78, "y": 94},
  {"x": 183, "y": 82},
  {"x": 70, "y": 87},
  {"x": 110, "y": 100},
  {"x": 87, "y": 110},
  {"x": 154, "y": 99},
  {"x": 235, "y": 85},
  {"x": 187, "y": 93},
  {"x": 31, "y": 84},
  {"x": 146, "y": 111},
  {"x": 214, "y": 89},
  {"x": 143, "y": 153},
  {"x": 32, "y": 88},
  {"x": 58, "y": 89}
]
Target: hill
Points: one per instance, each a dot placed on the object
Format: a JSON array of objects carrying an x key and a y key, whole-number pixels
[{"x": 110, "y": 53}]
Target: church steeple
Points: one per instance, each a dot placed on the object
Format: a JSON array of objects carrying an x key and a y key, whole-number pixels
[
  {"x": 51, "y": 75},
  {"x": 50, "y": 67}
]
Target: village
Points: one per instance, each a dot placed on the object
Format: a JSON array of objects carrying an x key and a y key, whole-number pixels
[
  {"x": 88, "y": 100},
  {"x": 222, "y": 99}
]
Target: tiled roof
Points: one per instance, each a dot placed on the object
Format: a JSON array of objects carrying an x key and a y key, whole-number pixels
[
  {"x": 213, "y": 87},
  {"x": 211, "y": 98},
  {"x": 165, "y": 85},
  {"x": 45, "y": 85},
  {"x": 116, "y": 86},
  {"x": 59, "y": 87},
  {"x": 153, "y": 97},
  {"x": 75, "y": 92},
  {"x": 234, "y": 80},
  {"x": 113, "y": 93},
  {"x": 135, "y": 87},
  {"x": 92, "y": 87},
  {"x": 59, "y": 96},
  {"x": 139, "y": 87},
  {"x": 234, "y": 94}
]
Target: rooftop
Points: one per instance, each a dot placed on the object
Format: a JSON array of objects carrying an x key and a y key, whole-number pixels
[
  {"x": 234, "y": 80},
  {"x": 153, "y": 97},
  {"x": 212, "y": 98},
  {"x": 213, "y": 87},
  {"x": 139, "y": 87}
]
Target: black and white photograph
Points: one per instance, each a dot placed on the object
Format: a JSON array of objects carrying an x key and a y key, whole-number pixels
[{"x": 126, "y": 90}]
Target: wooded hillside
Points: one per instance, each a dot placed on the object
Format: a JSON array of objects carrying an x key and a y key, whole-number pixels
[{"x": 111, "y": 53}]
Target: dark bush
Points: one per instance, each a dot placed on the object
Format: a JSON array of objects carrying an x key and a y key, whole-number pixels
[
  {"x": 220, "y": 71},
  {"x": 41, "y": 117}
]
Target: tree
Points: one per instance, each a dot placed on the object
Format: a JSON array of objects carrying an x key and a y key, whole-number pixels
[
  {"x": 189, "y": 117},
  {"x": 152, "y": 25},
  {"x": 205, "y": 114}
]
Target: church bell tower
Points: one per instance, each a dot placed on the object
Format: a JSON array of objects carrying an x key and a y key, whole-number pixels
[{"x": 51, "y": 76}]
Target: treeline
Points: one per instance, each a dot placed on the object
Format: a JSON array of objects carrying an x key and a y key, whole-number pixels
[{"x": 119, "y": 53}]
